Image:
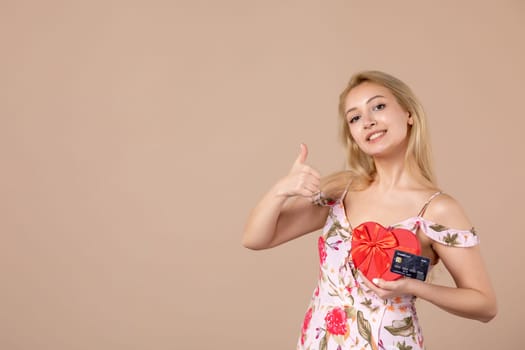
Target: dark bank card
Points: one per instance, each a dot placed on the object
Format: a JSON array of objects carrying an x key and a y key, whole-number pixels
[{"x": 410, "y": 265}]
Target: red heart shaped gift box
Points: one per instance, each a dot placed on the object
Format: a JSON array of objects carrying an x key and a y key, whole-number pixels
[{"x": 373, "y": 248}]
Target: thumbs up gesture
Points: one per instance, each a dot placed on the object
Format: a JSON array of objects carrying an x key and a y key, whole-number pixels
[{"x": 302, "y": 180}]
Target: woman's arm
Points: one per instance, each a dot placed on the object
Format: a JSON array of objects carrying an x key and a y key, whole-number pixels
[
  {"x": 286, "y": 211},
  {"x": 473, "y": 297}
]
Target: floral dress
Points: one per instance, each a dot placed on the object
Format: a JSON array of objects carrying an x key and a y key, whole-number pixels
[{"x": 345, "y": 314}]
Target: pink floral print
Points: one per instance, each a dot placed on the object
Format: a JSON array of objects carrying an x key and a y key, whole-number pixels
[{"x": 343, "y": 313}]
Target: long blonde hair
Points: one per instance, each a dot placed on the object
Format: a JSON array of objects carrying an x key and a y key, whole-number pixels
[{"x": 361, "y": 168}]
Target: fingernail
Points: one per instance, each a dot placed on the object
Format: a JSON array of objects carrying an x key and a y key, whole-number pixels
[{"x": 375, "y": 280}]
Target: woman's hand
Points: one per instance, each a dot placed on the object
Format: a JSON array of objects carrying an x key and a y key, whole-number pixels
[
  {"x": 389, "y": 289},
  {"x": 287, "y": 210},
  {"x": 302, "y": 180}
]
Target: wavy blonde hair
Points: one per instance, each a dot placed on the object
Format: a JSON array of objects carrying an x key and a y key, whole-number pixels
[{"x": 361, "y": 168}]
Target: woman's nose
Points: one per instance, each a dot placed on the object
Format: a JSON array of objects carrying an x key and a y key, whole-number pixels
[{"x": 369, "y": 122}]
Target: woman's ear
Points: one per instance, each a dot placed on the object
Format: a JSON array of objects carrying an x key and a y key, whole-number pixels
[{"x": 410, "y": 119}]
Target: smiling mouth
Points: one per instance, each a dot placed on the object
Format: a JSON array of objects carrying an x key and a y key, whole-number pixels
[{"x": 376, "y": 135}]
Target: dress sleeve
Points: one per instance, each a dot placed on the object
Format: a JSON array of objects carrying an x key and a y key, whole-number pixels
[{"x": 449, "y": 236}]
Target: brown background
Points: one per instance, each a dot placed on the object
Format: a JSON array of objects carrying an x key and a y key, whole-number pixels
[{"x": 136, "y": 136}]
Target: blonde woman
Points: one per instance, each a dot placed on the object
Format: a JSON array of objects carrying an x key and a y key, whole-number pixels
[{"x": 389, "y": 187}]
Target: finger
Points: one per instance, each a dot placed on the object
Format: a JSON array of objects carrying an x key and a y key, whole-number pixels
[
  {"x": 377, "y": 289},
  {"x": 316, "y": 182},
  {"x": 372, "y": 287},
  {"x": 308, "y": 173},
  {"x": 396, "y": 285},
  {"x": 304, "y": 192},
  {"x": 310, "y": 185},
  {"x": 302, "y": 155},
  {"x": 388, "y": 286},
  {"x": 314, "y": 173},
  {"x": 368, "y": 283},
  {"x": 365, "y": 280},
  {"x": 378, "y": 282},
  {"x": 305, "y": 179},
  {"x": 308, "y": 170},
  {"x": 312, "y": 180}
]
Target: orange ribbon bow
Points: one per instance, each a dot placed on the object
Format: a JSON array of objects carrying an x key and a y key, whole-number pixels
[{"x": 370, "y": 242}]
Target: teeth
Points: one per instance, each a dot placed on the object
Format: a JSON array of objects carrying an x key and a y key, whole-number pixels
[{"x": 376, "y": 135}]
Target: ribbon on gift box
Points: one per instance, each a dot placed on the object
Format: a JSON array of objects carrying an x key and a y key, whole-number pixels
[{"x": 373, "y": 248}]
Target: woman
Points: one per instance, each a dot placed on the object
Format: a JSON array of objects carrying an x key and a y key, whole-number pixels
[{"x": 389, "y": 180}]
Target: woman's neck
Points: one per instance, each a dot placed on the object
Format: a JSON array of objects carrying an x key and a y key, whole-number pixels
[{"x": 394, "y": 173}]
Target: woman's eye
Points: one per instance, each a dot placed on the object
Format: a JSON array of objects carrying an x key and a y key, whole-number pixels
[
  {"x": 354, "y": 119},
  {"x": 379, "y": 107}
]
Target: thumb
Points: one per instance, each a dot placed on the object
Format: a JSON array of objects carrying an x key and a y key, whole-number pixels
[{"x": 302, "y": 156}]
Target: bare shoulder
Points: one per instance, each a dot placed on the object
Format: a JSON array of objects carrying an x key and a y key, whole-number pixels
[{"x": 446, "y": 210}]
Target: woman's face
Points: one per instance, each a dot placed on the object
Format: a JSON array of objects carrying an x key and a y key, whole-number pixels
[{"x": 377, "y": 123}]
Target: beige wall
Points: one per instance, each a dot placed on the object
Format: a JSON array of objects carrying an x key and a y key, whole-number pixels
[{"x": 136, "y": 136}]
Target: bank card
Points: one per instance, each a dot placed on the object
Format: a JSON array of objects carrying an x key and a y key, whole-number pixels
[{"x": 410, "y": 265}]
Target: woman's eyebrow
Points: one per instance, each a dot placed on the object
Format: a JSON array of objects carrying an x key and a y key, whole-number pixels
[{"x": 367, "y": 102}]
